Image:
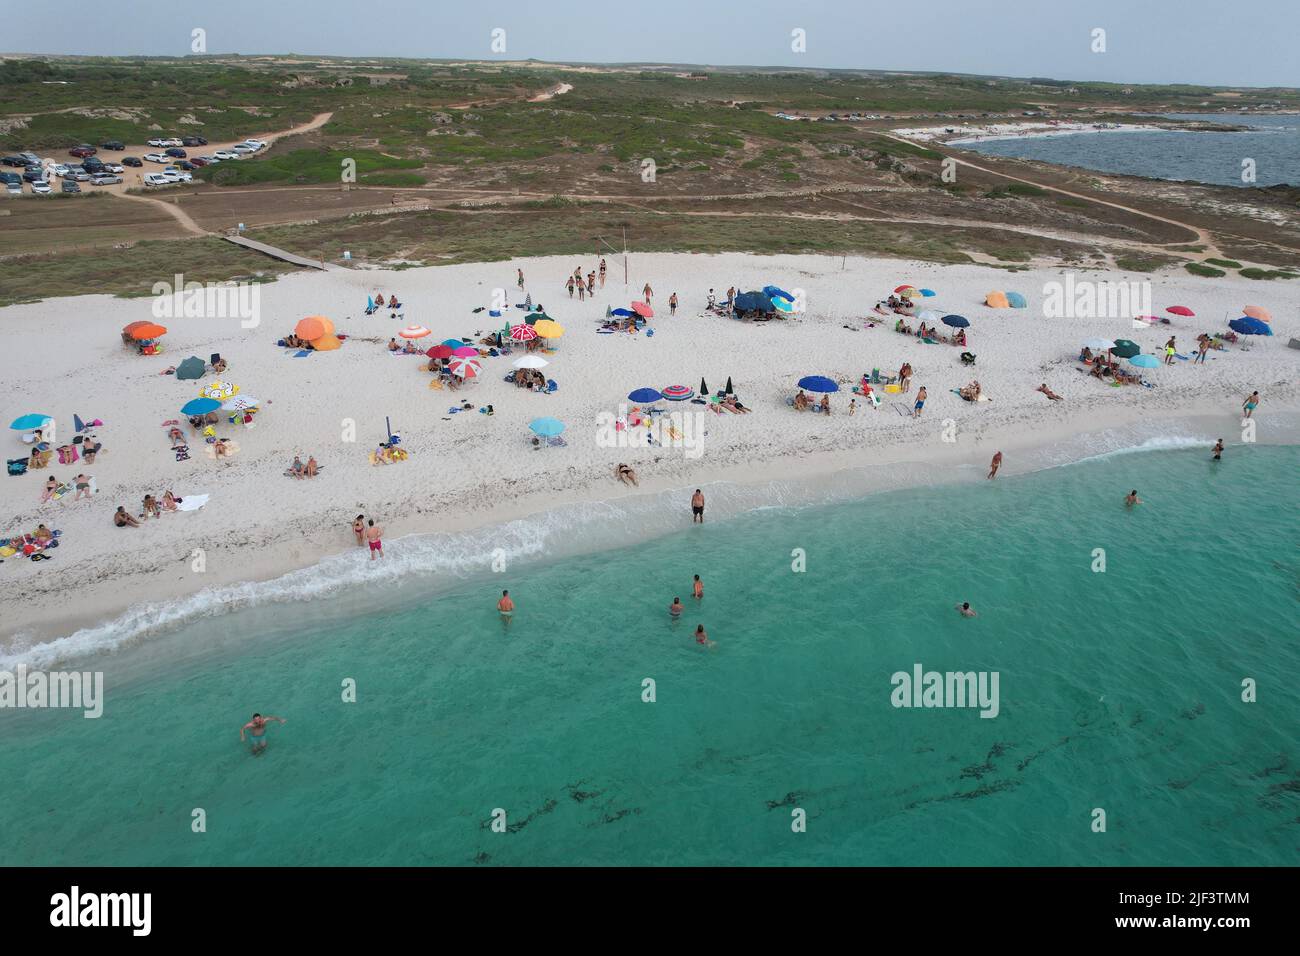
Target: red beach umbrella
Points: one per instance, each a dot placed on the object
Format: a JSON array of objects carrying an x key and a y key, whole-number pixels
[
  {"x": 439, "y": 352},
  {"x": 643, "y": 309},
  {"x": 1180, "y": 310}
]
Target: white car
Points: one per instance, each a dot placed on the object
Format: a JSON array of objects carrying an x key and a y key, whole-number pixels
[
  {"x": 114, "y": 168},
  {"x": 178, "y": 175},
  {"x": 225, "y": 154},
  {"x": 58, "y": 169},
  {"x": 210, "y": 160},
  {"x": 14, "y": 189},
  {"x": 157, "y": 179},
  {"x": 40, "y": 188},
  {"x": 255, "y": 143},
  {"x": 157, "y": 158},
  {"x": 243, "y": 149},
  {"x": 164, "y": 143}
]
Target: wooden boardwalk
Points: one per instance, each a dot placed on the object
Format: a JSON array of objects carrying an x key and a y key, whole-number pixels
[{"x": 275, "y": 253}]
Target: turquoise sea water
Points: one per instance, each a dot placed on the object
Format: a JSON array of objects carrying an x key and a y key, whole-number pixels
[
  {"x": 1273, "y": 142},
  {"x": 1118, "y": 690}
]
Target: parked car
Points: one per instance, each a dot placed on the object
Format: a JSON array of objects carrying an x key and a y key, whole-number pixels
[
  {"x": 58, "y": 169},
  {"x": 185, "y": 164},
  {"x": 105, "y": 179},
  {"x": 32, "y": 158},
  {"x": 92, "y": 165},
  {"x": 82, "y": 151},
  {"x": 193, "y": 141},
  {"x": 40, "y": 188},
  {"x": 225, "y": 154},
  {"x": 8, "y": 177},
  {"x": 177, "y": 152},
  {"x": 70, "y": 186},
  {"x": 177, "y": 176},
  {"x": 156, "y": 158},
  {"x": 243, "y": 149},
  {"x": 113, "y": 144},
  {"x": 198, "y": 162},
  {"x": 14, "y": 161},
  {"x": 77, "y": 175},
  {"x": 157, "y": 179},
  {"x": 159, "y": 142},
  {"x": 33, "y": 173},
  {"x": 113, "y": 168},
  {"x": 210, "y": 160},
  {"x": 131, "y": 161},
  {"x": 14, "y": 189}
]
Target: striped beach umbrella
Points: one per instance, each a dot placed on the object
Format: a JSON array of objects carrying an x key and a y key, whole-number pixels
[
  {"x": 523, "y": 332},
  {"x": 905, "y": 290},
  {"x": 414, "y": 332},
  {"x": 240, "y": 403},
  {"x": 219, "y": 390},
  {"x": 678, "y": 393},
  {"x": 466, "y": 367}
]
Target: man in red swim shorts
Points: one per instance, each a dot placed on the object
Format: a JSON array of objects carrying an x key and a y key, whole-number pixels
[{"x": 374, "y": 535}]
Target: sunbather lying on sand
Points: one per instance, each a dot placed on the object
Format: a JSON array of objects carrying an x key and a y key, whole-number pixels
[
  {"x": 1048, "y": 392},
  {"x": 971, "y": 392},
  {"x": 732, "y": 404},
  {"x": 625, "y": 474}
]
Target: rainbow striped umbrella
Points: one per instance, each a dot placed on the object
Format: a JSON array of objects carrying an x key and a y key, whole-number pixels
[{"x": 678, "y": 393}]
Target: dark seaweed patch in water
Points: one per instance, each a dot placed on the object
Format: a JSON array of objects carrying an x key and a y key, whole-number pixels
[
  {"x": 1193, "y": 712},
  {"x": 1038, "y": 753},
  {"x": 482, "y": 857},
  {"x": 579, "y": 796},
  {"x": 614, "y": 817},
  {"x": 789, "y": 800},
  {"x": 1279, "y": 767},
  {"x": 1272, "y": 800},
  {"x": 547, "y": 807}
]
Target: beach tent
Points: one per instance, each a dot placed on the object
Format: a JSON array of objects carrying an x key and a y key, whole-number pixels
[
  {"x": 774, "y": 293},
  {"x": 192, "y": 367},
  {"x": 313, "y": 327},
  {"x": 1016, "y": 300},
  {"x": 326, "y": 343},
  {"x": 644, "y": 396},
  {"x": 1249, "y": 326},
  {"x": 752, "y": 302},
  {"x": 1257, "y": 312},
  {"x": 997, "y": 300},
  {"x": 817, "y": 383}
]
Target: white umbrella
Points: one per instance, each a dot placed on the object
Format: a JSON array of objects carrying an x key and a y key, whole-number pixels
[
  {"x": 240, "y": 403},
  {"x": 929, "y": 315},
  {"x": 1099, "y": 345},
  {"x": 531, "y": 361},
  {"x": 466, "y": 367}
]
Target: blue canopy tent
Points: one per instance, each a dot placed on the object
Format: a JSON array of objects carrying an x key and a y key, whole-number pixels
[{"x": 752, "y": 302}]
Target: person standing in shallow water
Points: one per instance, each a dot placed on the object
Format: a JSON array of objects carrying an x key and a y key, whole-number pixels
[
  {"x": 995, "y": 464},
  {"x": 507, "y": 608},
  {"x": 256, "y": 729},
  {"x": 697, "y": 588},
  {"x": 697, "y": 507},
  {"x": 1218, "y": 450}
]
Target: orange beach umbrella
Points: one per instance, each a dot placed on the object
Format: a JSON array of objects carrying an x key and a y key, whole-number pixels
[
  {"x": 313, "y": 327},
  {"x": 145, "y": 330}
]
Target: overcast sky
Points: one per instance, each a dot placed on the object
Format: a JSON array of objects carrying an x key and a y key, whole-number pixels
[{"x": 1243, "y": 43}]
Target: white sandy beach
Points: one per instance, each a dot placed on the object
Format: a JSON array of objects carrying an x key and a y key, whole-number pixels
[
  {"x": 976, "y": 133},
  {"x": 470, "y": 470}
]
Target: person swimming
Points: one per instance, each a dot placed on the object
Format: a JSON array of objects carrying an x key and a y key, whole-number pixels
[
  {"x": 507, "y": 607},
  {"x": 701, "y": 637},
  {"x": 1132, "y": 499},
  {"x": 965, "y": 610},
  {"x": 256, "y": 729},
  {"x": 1218, "y": 450},
  {"x": 697, "y": 589},
  {"x": 675, "y": 609}
]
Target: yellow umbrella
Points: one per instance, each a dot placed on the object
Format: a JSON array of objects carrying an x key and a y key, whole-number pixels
[
  {"x": 219, "y": 390},
  {"x": 548, "y": 329},
  {"x": 326, "y": 343}
]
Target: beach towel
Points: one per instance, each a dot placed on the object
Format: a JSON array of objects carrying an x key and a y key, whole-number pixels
[
  {"x": 303, "y": 353},
  {"x": 191, "y": 502}
]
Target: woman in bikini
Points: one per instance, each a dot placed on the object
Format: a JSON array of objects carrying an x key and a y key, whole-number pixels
[
  {"x": 359, "y": 529},
  {"x": 170, "y": 501},
  {"x": 51, "y": 486}
]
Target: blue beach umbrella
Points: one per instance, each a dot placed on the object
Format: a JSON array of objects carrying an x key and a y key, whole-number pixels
[
  {"x": 1016, "y": 300},
  {"x": 774, "y": 292},
  {"x": 546, "y": 427},
  {"x": 1248, "y": 326},
  {"x": 200, "y": 406},
  {"x": 26, "y": 423},
  {"x": 956, "y": 321},
  {"x": 644, "y": 396},
  {"x": 1144, "y": 361},
  {"x": 782, "y": 305},
  {"x": 622, "y": 313},
  {"x": 452, "y": 343},
  {"x": 817, "y": 383},
  {"x": 928, "y": 293}
]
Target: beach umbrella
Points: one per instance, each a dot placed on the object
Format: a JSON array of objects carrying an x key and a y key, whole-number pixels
[
  {"x": 781, "y": 305},
  {"x": 466, "y": 351},
  {"x": 147, "y": 330},
  {"x": 531, "y": 361},
  {"x": 1144, "y": 361},
  {"x": 532, "y": 318},
  {"x": 413, "y": 332},
  {"x": 956, "y": 321},
  {"x": 644, "y": 396},
  {"x": 704, "y": 389},
  {"x": 817, "y": 383},
  {"x": 643, "y": 309},
  {"x": 200, "y": 406},
  {"x": 546, "y": 427},
  {"x": 622, "y": 313},
  {"x": 1099, "y": 345},
  {"x": 452, "y": 343},
  {"x": 132, "y": 326},
  {"x": 997, "y": 300},
  {"x": 753, "y": 302},
  {"x": 466, "y": 367},
  {"x": 905, "y": 289},
  {"x": 313, "y": 327},
  {"x": 549, "y": 329},
  {"x": 219, "y": 390},
  {"x": 928, "y": 315},
  {"x": 327, "y": 343},
  {"x": 192, "y": 367},
  {"x": 678, "y": 393},
  {"x": 728, "y": 390},
  {"x": 440, "y": 352},
  {"x": 1125, "y": 349},
  {"x": 928, "y": 293},
  {"x": 523, "y": 333},
  {"x": 240, "y": 403},
  {"x": 1249, "y": 326},
  {"x": 1016, "y": 300},
  {"x": 25, "y": 423},
  {"x": 1257, "y": 312},
  {"x": 774, "y": 293},
  {"x": 77, "y": 424},
  {"x": 1180, "y": 310}
]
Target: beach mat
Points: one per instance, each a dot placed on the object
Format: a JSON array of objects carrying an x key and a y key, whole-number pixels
[{"x": 192, "y": 502}]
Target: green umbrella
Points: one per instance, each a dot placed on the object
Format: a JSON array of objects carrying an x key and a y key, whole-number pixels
[
  {"x": 1126, "y": 349},
  {"x": 192, "y": 367}
]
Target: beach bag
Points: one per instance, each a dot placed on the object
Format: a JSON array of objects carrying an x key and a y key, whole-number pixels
[{"x": 17, "y": 466}]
